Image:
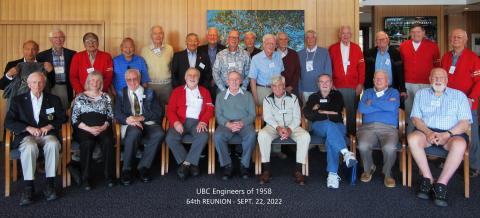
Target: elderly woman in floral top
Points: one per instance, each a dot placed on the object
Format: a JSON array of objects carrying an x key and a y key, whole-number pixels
[{"x": 92, "y": 116}]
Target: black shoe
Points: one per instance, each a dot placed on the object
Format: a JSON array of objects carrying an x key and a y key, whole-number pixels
[
  {"x": 110, "y": 183},
  {"x": 244, "y": 172},
  {"x": 194, "y": 170},
  {"x": 86, "y": 185},
  {"x": 425, "y": 189},
  {"x": 144, "y": 175},
  {"x": 227, "y": 172},
  {"x": 27, "y": 196},
  {"x": 126, "y": 178},
  {"x": 183, "y": 172},
  {"x": 50, "y": 193},
  {"x": 75, "y": 173},
  {"x": 440, "y": 194}
]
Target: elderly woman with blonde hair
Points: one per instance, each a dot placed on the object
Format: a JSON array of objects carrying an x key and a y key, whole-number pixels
[{"x": 92, "y": 116}]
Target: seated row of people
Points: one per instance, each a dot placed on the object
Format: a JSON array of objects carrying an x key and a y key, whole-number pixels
[{"x": 190, "y": 109}]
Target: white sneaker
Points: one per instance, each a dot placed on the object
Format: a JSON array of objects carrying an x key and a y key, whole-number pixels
[
  {"x": 333, "y": 180},
  {"x": 349, "y": 159}
]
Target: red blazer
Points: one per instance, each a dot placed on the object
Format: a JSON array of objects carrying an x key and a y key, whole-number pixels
[
  {"x": 355, "y": 71},
  {"x": 80, "y": 64},
  {"x": 418, "y": 64},
  {"x": 177, "y": 106},
  {"x": 462, "y": 78}
]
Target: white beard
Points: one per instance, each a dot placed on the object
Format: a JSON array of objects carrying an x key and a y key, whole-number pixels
[{"x": 439, "y": 88}]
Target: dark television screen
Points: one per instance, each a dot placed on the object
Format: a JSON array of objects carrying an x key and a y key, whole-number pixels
[{"x": 398, "y": 28}]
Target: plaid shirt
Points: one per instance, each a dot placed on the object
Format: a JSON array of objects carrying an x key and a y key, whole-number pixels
[{"x": 59, "y": 61}]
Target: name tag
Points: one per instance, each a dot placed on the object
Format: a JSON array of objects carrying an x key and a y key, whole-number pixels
[
  {"x": 50, "y": 110},
  {"x": 451, "y": 70},
  {"x": 201, "y": 65},
  {"x": 59, "y": 70},
  {"x": 282, "y": 111},
  {"x": 90, "y": 70},
  {"x": 324, "y": 100},
  {"x": 271, "y": 65},
  {"x": 144, "y": 96},
  {"x": 156, "y": 51},
  {"x": 435, "y": 103},
  {"x": 231, "y": 64},
  {"x": 380, "y": 94},
  {"x": 387, "y": 62},
  {"x": 309, "y": 66}
]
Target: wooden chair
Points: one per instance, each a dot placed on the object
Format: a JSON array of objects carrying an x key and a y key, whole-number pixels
[
  {"x": 437, "y": 151},
  {"x": 73, "y": 146},
  {"x": 187, "y": 139},
  {"x": 13, "y": 155},
  {"x": 401, "y": 146}
]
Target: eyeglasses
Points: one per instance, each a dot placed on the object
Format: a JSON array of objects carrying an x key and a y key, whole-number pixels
[
  {"x": 90, "y": 41},
  {"x": 131, "y": 79}
]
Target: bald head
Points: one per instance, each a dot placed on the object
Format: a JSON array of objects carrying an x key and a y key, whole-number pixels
[
  {"x": 345, "y": 34},
  {"x": 382, "y": 40}
]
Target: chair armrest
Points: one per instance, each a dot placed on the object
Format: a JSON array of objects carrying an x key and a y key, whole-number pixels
[
  {"x": 358, "y": 120},
  {"x": 211, "y": 125},
  {"x": 258, "y": 123}
]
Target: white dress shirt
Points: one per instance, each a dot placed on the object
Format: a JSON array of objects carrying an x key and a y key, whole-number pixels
[
  {"x": 139, "y": 93},
  {"x": 345, "y": 50},
  {"x": 416, "y": 45},
  {"x": 194, "y": 102},
  {"x": 36, "y": 105}
]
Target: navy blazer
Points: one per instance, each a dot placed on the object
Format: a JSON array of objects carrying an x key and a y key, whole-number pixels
[
  {"x": 150, "y": 106},
  {"x": 46, "y": 56},
  {"x": 20, "y": 116},
  {"x": 397, "y": 68},
  {"x": 180, "y": 65}
]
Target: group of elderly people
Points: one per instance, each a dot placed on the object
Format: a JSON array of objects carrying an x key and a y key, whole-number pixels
[{"x": 191, "y": 86}]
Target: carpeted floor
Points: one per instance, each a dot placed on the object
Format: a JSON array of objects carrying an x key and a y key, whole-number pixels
[{"x": 167, "y": 196}]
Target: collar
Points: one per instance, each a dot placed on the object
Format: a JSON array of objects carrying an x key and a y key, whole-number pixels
[
  {"x": 375, "y": 90},
  {"x": 153, "y": 47},
  {"x": 186, "y": 87},
  {"x": 446, "y": 91},
  {"x": 314, "y": 49},
  {"x": 191, "y": 52},
  {"x": 233, "y": 52},
  {"x": 458, "y": 55},
  {"x": 32, "y": 96},
  {"x": 285, "y": 94},
  {"x": 283, "y": 52},
  {"x": 379, "y": 51},
  {"x": 55, "y": 52},
  {"x": 25, "y": 60},
  {"x": 138, "y": 91},
  {"x": 343, "y": 45},
  {"x": 240, "y": 91}
]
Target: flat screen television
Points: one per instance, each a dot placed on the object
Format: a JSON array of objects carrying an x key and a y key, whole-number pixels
[{"x": 398, "y": 28}]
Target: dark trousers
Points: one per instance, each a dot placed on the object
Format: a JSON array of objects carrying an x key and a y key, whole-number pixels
[
  {"x": 150, "y": 137},
  {"x": 87, "y": 144}
]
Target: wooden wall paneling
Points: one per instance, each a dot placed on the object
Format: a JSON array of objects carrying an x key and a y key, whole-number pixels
[
  {"x": 197, "y": 11},
  {"x": 141, "y": 15},
  {"x": 472, "y": 26},
  {"x": 3, "y": 62},
  {"x": 75, "y": 34},
  {"x": 30, "y": 10},
  {"x": 331, "y": 15}
]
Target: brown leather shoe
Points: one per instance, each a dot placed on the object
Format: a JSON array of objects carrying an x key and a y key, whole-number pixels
[
  {"x": 367, "y": 176},
  {"x": 389, "y": 182},
  {"x": 265, "y": 177},
  {"x": 299, "y": 177}
]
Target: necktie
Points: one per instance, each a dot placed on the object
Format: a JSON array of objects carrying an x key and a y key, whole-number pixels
[{"x": 136, "y": 104}]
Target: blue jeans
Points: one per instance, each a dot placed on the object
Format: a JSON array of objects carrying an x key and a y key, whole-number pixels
[{"x": 334, "y": 134}]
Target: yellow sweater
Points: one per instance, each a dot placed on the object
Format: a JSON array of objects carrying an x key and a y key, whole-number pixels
[{"x": 158, "y": 65}]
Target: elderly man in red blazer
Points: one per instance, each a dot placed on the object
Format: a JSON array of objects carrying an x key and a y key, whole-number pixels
[
  {"x": 463, "y": 67},
  {"x": 189, "y": 109},
  {"x": 420, "y": 56},
  {"x": 348, "y": 68}
]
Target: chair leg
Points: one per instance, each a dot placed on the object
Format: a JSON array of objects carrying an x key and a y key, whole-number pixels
[
  {"x": 7, "y": 174},
  {"x": 162, "y": 159},
  {"x": 167, "y": 158},
  {"x": 258, "y": 160},
  {"x": 403, "y": 167},
  {"x": 409, "y": 163},
  {"x": 15, "y": 171},
  {"x": 210, "y": 156},
  {"x": 213, "y": 155},
  {"x": 117, "y": 160},
  {"x": 466, "y": 174}
]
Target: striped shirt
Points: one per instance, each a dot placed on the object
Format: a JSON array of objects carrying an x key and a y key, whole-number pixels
[
  {"x": 59, "y": 61},
  {"x": 441, "y": 112}
]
